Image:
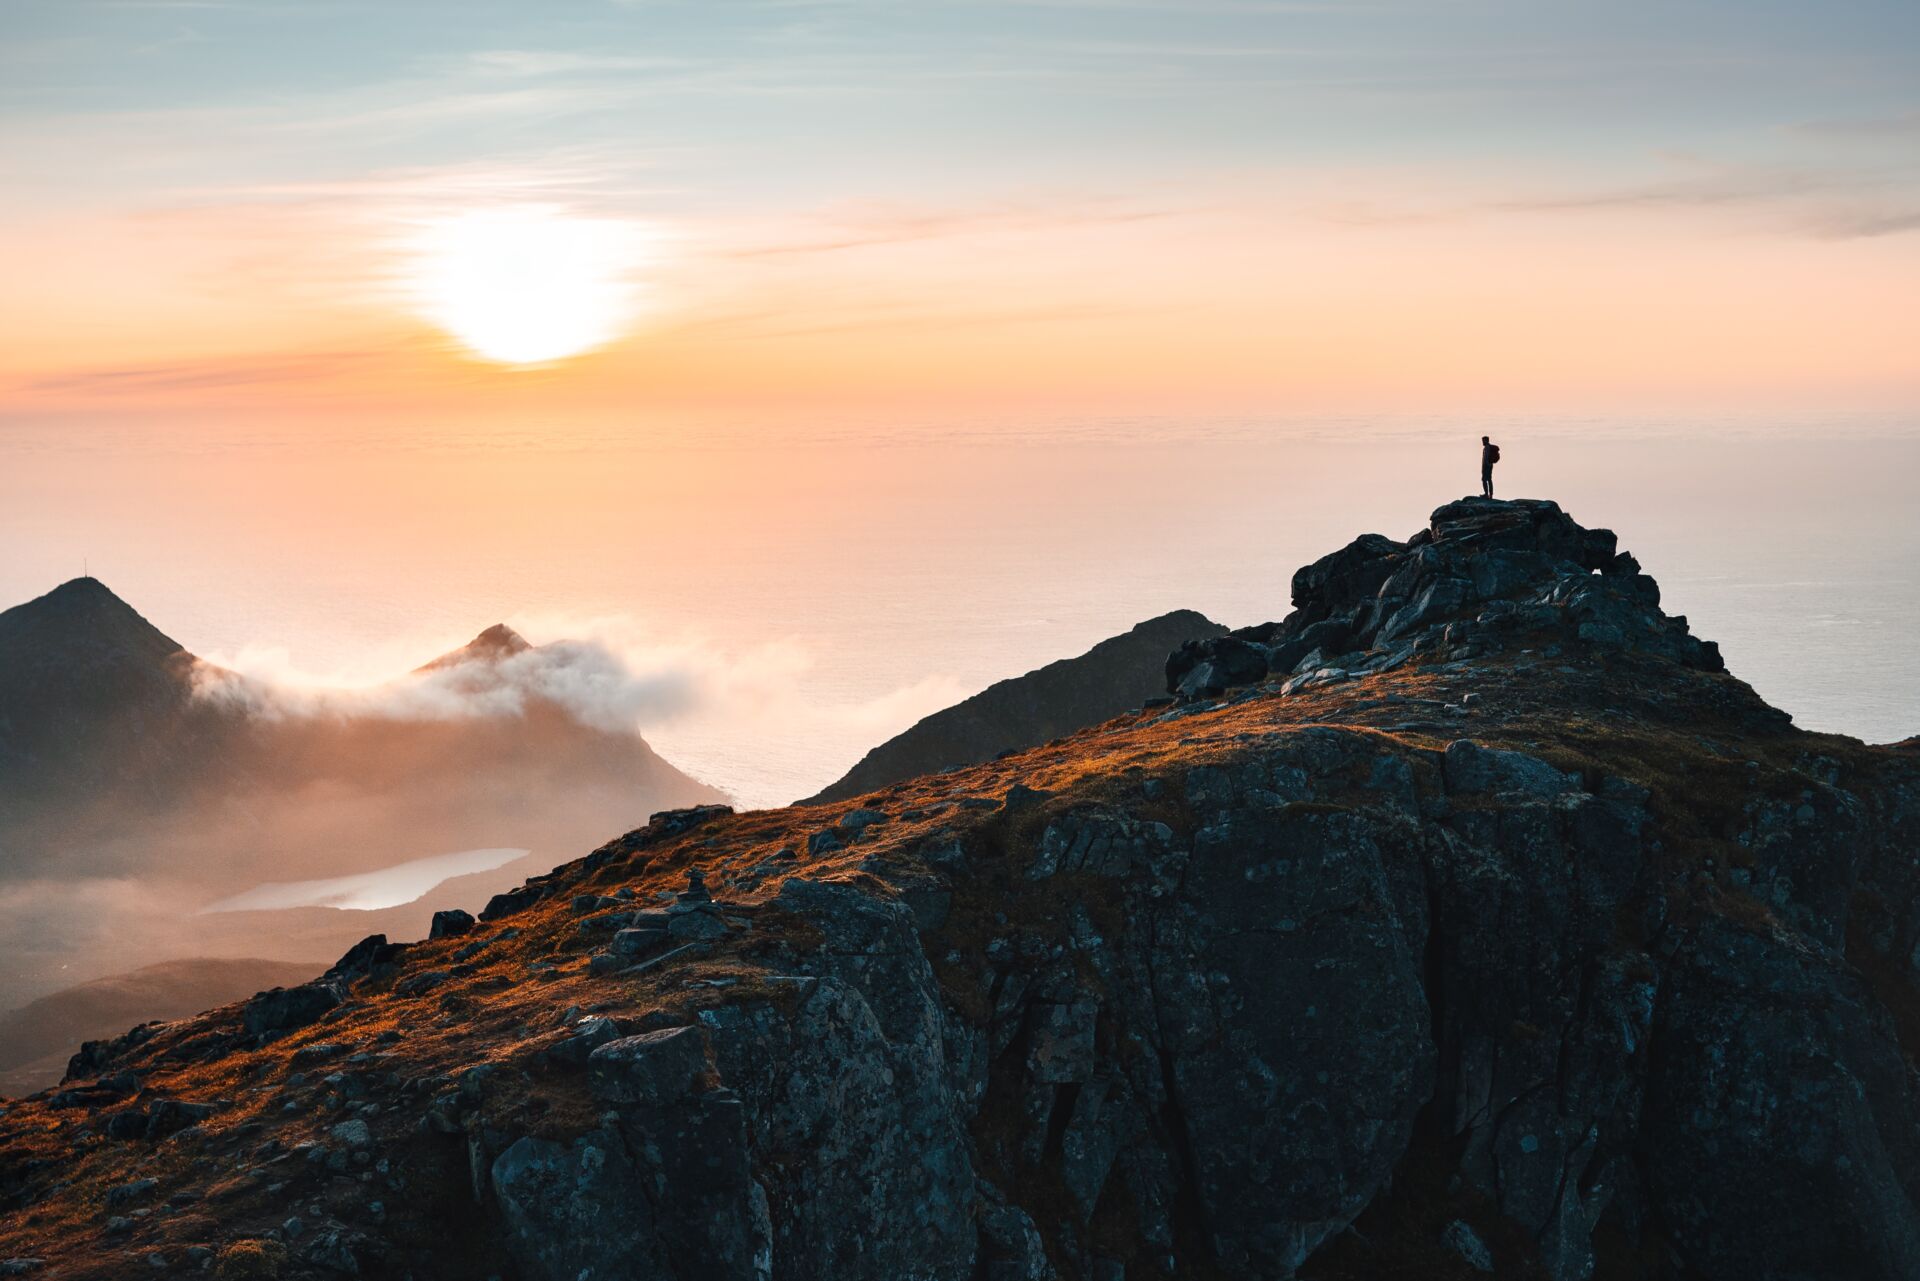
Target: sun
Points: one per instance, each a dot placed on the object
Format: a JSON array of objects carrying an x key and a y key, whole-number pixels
[{"x": 529, "y": 284}]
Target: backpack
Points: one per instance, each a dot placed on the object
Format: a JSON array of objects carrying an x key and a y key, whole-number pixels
[{"x": 1493, "y": 454}]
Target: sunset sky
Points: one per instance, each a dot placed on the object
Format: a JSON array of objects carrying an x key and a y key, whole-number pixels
[{"x": 223, "y": 209}]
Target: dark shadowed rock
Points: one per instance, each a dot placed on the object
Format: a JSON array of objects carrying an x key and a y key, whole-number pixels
[
  {"x": 283, "y": 1009},
  {"x": 450, "y": 923},
  {"x": 1116, "y": 675},
  {"x": 1484, "y": 573},
  {"x": 1205, "y": 668}
]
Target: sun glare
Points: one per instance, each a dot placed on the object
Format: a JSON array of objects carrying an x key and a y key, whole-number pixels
[{"x": 527, "y": 285}]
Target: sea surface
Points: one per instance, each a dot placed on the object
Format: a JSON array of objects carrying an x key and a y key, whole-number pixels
[{"x": 787, "y": 596}]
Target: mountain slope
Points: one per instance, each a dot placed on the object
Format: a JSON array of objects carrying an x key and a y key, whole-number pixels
[
  {"x": 37, "y": 1039},
  {"x": 1512, "y": 938},
  {"x": 91, "y": 694},
  {"x": 1119, "y": 673},
  {"x": 138, "y": 785}
]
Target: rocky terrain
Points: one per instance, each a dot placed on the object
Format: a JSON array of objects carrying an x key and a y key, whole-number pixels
[
  {"x": 37, "y": 1039},
  {"x": 1470, "y": 921},
  {"x": 1012, "y": 715}
]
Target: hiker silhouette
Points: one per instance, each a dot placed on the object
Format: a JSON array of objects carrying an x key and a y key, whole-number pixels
[{"x": 1489, "y": 455}]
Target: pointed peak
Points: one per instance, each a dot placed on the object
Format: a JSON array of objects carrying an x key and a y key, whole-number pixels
[
  {"x": 84, "y": 586},
  {"x": 498, "y": 640},
  {"x": 496, "y": 643},
  {"x": 84, "y": 612}
]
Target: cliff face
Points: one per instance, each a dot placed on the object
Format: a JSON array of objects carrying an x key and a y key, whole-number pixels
[
  {"x": 1509, "y": 935},
  {"x": 1021, "y": 712}
]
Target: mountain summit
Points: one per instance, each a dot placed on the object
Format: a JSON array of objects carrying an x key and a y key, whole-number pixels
[
  {"x": 82, "y": 615},
  {"x": 1481, "y": 571},
  {"x": 1496, "y": 932},
  {"x": 492, "y": 645},
  {"x": 80, "y": 672}
]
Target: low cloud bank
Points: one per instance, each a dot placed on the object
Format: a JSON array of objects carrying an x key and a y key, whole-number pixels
[
  {"x": 594, "y": 684},
  {"x": 753, "y": 721}
]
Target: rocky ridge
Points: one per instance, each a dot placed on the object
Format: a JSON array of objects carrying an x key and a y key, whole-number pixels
[
  {"x": 1025, "y": 711},
  {"x": 1481, "y": 570},
  {"x": 1509, "y": 937}
]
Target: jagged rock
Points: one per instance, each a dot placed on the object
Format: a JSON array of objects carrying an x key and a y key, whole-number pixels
[
  {"x": 588, "y": 1035},
  {"x": 450, "y": 923},
  {"x": 1206, "y": 668},
  {"x": 283, "y": 1009},
  {"x": 1356, "y": 570},
  {"x": 1481, "y": 568},
  {"x": 509, "y": 902}
]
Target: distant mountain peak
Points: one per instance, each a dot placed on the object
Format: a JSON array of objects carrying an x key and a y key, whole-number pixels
[
  {"x": 492, "y": 645},
  {"x": 83, "y": 586},
  {"x": 84, "y": 613},
  {"x": 500, "y": 640}
]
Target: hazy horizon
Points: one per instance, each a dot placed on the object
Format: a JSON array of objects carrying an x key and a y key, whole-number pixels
[{"x": 771, "y": 611}]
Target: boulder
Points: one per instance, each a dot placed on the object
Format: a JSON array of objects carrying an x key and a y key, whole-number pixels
[
  {"x": 1356, "y": 570},
  {"x": 1207, "y": 668},
  {"x": 450, "y": 923},
  {"x": 282, "y": 1009}
]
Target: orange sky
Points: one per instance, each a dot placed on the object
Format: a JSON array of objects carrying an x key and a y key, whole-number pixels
[
  {"x": 1246, "y": 207},
  {"x": 1254, "y": 301}
]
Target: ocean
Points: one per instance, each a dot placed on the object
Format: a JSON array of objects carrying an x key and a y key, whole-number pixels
[{"x": 787, "y": 596}]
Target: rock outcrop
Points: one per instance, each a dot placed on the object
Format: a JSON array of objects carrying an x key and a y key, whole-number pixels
[
  {"x": 1482, "y": 570},
  {"x": 1544, "y": 950},
  {"x": 1116, "y": 675}
]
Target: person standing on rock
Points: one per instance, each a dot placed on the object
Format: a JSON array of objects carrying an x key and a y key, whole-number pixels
[{"x": 1489, "y": 455}]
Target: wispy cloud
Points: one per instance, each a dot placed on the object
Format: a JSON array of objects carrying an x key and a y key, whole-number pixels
[
  {"x": 202, "y": 375},
  {"x": 1830, "y": 203},
  {"x": 852, "y": 229},
  {"x": 1859, "y": 225}
]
